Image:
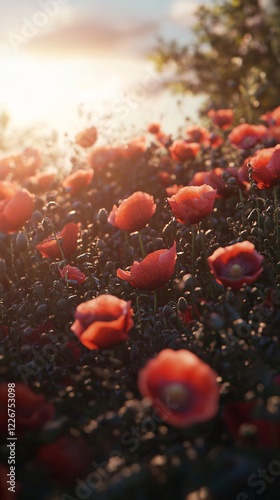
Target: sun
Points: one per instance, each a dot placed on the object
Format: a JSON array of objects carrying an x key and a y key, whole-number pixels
[{"x": 50, "y": 90}]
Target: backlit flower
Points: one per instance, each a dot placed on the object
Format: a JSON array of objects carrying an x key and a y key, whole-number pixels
[
  {"x": 272, "y": 118},
  {"x": 68, "y": 241},
  {"x": 87, "y": 137},
  {"x": 78, "y": 180},
  {"x": 73, "y": 274},
  {"x": 195, "y": 133},
  {"x": 154, "y": 128},
  {"x": 23, "y": 164},
  {"x": 222, "y": 118},
  {"x": 236, "y": 264},
  {"x": 215, "y": 179},
  {"x": 183, "y": 389},
  {"x": 153, "y": 272},
  {"x": 247, "y": 136},
  {"x": 15, "y": 211},
  {"x": 103, "y": 322},
  {"x": 102, "y": 156},
  {"x": 31, "y": 409},
  {"x": 192, "y": 203},
  {"x": 183, "y": 150},
  {"x": 265, "y": 168},
  {"x": 133, "y": 213}
]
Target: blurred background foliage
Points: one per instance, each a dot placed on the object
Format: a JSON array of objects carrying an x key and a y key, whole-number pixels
[{"x": 234, "y": 59}]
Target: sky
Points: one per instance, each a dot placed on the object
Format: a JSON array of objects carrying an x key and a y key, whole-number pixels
[{"x": 61, "y": 56}]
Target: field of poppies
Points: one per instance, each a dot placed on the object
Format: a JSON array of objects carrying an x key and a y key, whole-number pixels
[{"x": 139, "y": 326}]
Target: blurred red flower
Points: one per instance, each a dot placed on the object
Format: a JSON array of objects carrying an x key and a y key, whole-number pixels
[
  {"x": 222, "y": 118},
  {"x": 171, "y": 190},
  {"x": 73, "y": 274},
  {"x": 78, "y": 180},
  {"x": 43, "y": 180},
  {"x": 133, "y": 149},
  {"x": 66, "y": 459},
  {"x": 182, "y": 388},
  {"x": 215, "y": 179},
  {"x": 87, "y": 138},
  {"x": 238, "y": 413},
  {"x": 236, "y": 264},
  {"x": 164, "y": 178},
  {"x": 272, "y": 118},
  {"x": 198, "y": 134},
  {"x": 103, "y": 322},
  {"x": 153, "y": 272},
  {"x": 68, "y": 240},
  {"x": 15, "y": 211},
  {"x": 192, "y": 203},
  {"x": 154, "y": 128},
  {"x": 21, "y": 165},
  {"x": 183, "y": 150},
  {"x": 31, "y": 409},
  {"x": 133, "y": 213},
  {"x": 100, "y": 157},
  {"x": 247, "y": 136}
]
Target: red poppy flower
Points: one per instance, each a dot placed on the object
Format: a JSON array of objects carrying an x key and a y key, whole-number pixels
[
  {"x": 78, "y": 180},
  {"x": 68, "y": 239},
  {"x": 100, "y": 157},
  {"x": 192, "y": 203},
  {"x": 164, "y": 178},
  {"x": 15, "y": 211},
  {"x": 133, "y": 213},
  {"x": 171, "y": 190},
  {"x": 182, "y": 388},
  {"x": 153, "y": 272},
  {"x": 103, "y": 322},
  {"x": 272, "y": 117},
  {"x": 73, "y": 274},
  {"x": 87, "y": 137},
  {"x": 236, "y": 264},
  {"x": 247, "y": 136},
  {"x": 266, "y": 168},
  {"x": 215, "y": 179},
  {"x": 198, "y": 134},
  {"x": 222, "y": 118},
  {"x": 21, "y": 165},
  {"x": 66, "y": 459},
  {"x": 238, "y": 413},
  {"x": 7, "y": 191},
  {"x": 154, "y": 128},
  {"x": 31, "y": 409},
  {"x": 215, "y": 140},
  {"x": 183, "y": 150},
  {"x": 43, "y": 180},
  {"x": 133, "y": 149}
]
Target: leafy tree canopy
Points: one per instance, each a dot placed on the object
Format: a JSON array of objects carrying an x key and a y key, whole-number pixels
[{"x": 235, "y": 57}]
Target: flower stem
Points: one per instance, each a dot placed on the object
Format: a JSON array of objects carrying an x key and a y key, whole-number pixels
[
  {"x": 193, "y": 249},
  {"x": 276, "y": 216},
  {"x": 155, "y": 301},
  {"x": 141, "y": 244}
]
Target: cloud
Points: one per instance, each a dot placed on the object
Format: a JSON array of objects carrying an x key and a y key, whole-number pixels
[{"x": 93, "y": 36}]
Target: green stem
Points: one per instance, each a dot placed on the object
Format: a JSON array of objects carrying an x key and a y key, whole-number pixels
[
  {"x": 193, "y": 249},
  {"x": 275, "y": 194},
  {"x": 141, "y": 244},
  {"x": 155, "y": 301}
]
